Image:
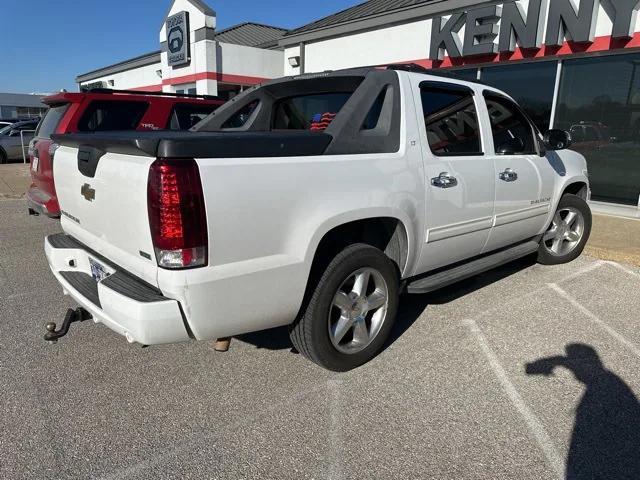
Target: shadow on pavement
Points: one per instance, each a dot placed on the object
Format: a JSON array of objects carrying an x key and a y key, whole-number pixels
[
  {"x": 411, "y": 307},
  {"x": 605, "y": 443}
]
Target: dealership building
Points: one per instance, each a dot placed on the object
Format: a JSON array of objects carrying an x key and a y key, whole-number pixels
[
  {"x": 21, "y": 106},
  {"x": 572, "y": 64}
]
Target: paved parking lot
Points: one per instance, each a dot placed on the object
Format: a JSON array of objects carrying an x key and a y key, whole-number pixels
[{"x": 460, "y": 392}]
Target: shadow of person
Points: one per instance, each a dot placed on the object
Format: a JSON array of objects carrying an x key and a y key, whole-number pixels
[{"x": 605, "y": 443}]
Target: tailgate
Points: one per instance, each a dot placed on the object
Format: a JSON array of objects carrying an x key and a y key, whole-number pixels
[{"x": 107, "y": 210}]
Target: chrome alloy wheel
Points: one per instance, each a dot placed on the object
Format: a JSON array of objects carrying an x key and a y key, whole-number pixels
[
  {"x": 565, "y": 233},
  {"x": 358, "y": 311}
]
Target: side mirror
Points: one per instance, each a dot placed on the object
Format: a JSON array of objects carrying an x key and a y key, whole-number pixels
[
  {"x": 14, "y": 133},
  {"x": 557, "y": 140}
]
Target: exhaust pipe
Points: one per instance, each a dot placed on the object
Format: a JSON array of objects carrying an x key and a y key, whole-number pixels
[{"x": 222, "y": 344}]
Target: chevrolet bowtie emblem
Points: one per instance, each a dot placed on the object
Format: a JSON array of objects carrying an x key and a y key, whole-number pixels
[{"x": 88, "y": 193}]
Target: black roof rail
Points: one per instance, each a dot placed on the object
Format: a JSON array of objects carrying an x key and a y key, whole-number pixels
[
  {"x": 415, "y": 68},
  {"x": 409, "y": 67},
  {"x": 156, "y": 94}
]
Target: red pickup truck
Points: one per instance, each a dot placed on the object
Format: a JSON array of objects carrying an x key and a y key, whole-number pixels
[{"x": 98, "y": 111}]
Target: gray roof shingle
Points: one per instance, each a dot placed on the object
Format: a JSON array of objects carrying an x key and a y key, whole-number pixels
[
  {"x": 251, "y": 34},
  {"x": 359, "y": 12}
]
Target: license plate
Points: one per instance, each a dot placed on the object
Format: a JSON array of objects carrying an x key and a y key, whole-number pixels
[
  {"x": 34, "y": 164},
  {"x": 98, "y": 271}
]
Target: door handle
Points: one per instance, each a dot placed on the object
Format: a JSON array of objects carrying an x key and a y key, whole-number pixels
[
  {"x": 444, "y": 180},
  {"x": 509, "y": 175}
]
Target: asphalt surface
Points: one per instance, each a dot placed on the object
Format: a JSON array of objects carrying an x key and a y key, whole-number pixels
[{"x": 451, "y": 397}]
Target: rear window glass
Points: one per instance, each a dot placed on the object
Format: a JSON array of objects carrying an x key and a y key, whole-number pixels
[
  {"x": 309, "y": 112},
  {"x": 51, "y": 120},
  {"x": 102, "y": 116},
  {"x": 186, "y": 115}
]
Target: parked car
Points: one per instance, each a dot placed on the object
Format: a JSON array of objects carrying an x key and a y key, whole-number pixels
[
  {"x": 99, "y": 111},
  {"x": 334, "y": 193},
  {"x": 14, "y": 140}
]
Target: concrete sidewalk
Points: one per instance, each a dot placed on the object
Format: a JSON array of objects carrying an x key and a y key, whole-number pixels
[
  {"x": 14, "y": 180},
  {"x": 616, "y": 239},
  {"x": 613, "y": 238}
]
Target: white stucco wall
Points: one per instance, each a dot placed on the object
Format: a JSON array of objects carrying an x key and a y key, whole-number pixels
[
  {"x": 135, "y": 78},
  {"x": 288, "y": 53},
  {"x": 249, "y": 61},
  {"x": 388, "y": 45}
]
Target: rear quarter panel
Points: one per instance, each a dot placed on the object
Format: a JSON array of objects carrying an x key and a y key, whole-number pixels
[{"x": 266, "y": 218}]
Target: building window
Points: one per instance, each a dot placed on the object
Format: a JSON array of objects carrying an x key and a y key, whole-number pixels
[
  {"x": 530, "y": 84},
  {"x": 599, "y": 103},
  {"x": 186, "y": 88},
  {"x": 467, "y": 74}
]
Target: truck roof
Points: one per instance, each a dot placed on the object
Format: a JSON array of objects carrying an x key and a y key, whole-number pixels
[{"x": 105, "y": 94}]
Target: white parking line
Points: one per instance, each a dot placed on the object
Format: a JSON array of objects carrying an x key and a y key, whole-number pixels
[
  {"x": 518, "y": 299},
  {"x": 595, "y": 319},
  {"x": 623, "y": 268},
  {"x": 533, "y": 423}
]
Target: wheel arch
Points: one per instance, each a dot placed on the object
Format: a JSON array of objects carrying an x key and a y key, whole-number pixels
[
  {"x": 579, "y": 187},
  {"x": 384, "y": 230}
]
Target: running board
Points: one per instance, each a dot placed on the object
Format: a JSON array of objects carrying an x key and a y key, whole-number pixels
[{"x": 475, "y": 267}]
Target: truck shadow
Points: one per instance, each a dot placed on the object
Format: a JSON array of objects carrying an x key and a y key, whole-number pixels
[
  {"x": 410, "y": 310},
  {"x": 605, "y": 442}
]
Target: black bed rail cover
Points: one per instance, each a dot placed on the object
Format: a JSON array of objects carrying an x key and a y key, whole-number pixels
[{"x": 166, "y": 144}]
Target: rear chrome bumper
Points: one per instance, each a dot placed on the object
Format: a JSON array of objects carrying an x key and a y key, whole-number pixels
[{"x": 121, "y": 302}]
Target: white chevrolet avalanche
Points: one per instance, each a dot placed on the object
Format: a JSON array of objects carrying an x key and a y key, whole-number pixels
[{"x": 311, "y": 202}]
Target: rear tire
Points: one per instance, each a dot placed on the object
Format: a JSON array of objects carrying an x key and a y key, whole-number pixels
[
  {"x": 568, "y": 233},
  {"x": 3, "y": 157},
  {"x": 350, "y": 310}
]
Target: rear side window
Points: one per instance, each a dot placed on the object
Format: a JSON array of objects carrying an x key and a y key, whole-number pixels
[
  {"x": 51, "y": 120},
  {"x": 512, "y": 132},
  {"x": 187, "y": 115},
  {"x": 102, "y": 116},
  {"x": 451, "y": 120},
  {"x": 309, "y": 112}
]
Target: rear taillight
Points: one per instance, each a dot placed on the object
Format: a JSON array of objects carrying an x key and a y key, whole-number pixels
[{"x": 177, "y": 214}]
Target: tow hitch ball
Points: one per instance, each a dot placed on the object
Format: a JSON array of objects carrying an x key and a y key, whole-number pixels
[{"x": 72, "y": 316}]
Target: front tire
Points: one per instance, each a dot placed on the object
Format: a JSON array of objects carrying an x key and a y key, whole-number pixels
[
  {"x": 350, "y": 311},
  {"x": 3, "y": 157},
  {"x": 568, "y": 233}
]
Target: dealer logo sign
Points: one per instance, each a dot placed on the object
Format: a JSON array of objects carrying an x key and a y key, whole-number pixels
[
  {"x": 178, "y": 39},
  {"x": 496, "y": 29}
]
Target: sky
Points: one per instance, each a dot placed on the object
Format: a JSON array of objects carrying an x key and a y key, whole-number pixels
[{"x": 48, "y": 42}]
